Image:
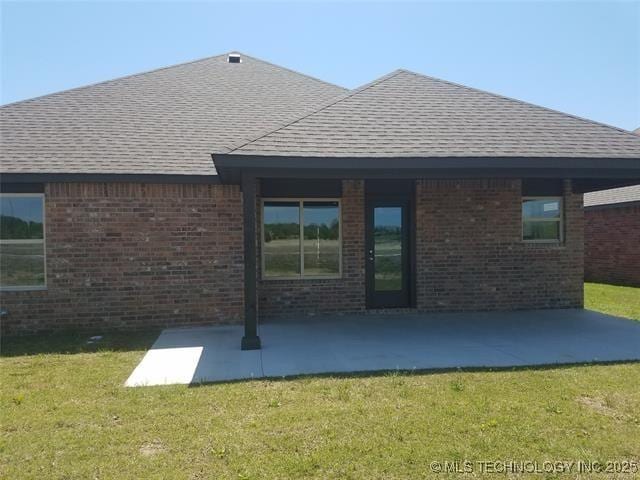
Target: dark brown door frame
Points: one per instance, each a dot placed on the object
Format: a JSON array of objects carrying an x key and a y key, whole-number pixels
[{"x": 382, "y": 194}]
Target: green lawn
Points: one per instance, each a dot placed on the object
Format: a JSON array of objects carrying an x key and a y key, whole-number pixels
[
  {"x": 614, "y": 300},
  {"x": 65, "y": 414}
]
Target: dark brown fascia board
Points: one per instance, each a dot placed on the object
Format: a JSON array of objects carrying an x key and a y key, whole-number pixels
[
  {"x": 629, "y": 177},
  {"x": 418, "y": 163},
  {"x": 230, "y": 166},
  {"x": 106, "y": 177},
  {"x": 584, "y": 185}
]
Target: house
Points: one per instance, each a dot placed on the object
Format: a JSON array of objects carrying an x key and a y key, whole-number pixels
[
  {"x": 612, "y": 236},
  {"x": 232, "y": 190}
]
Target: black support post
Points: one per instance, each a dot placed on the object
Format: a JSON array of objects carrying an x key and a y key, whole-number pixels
[{"x": 250, "y": 340}]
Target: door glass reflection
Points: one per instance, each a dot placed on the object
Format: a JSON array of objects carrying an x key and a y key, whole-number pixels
[{"x": 387, "y": 231}]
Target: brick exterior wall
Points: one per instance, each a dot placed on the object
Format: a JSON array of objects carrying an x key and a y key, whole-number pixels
[
  {"x": 282, "y": 297},
  {"x": 612, "y": 245},
  {"x": 126, "y": 256},
  {"x": 470, "y": 254}
]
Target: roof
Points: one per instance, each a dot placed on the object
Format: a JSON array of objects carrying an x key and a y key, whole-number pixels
[
  {"x": 165, "y": 121},
  {"x": 613, "y": 196},
  {"x": 405, "y": 114}
]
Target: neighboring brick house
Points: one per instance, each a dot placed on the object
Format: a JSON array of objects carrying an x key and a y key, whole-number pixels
[
  {"x": 612, "y": 236},
  {"x": 232, "y": 190}
]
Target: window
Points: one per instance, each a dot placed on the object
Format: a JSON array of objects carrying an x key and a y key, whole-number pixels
[
  {"x": 542, "y": 219},
  {"x": 22, "y": 262},
  {"x": 301, "y": 239}
]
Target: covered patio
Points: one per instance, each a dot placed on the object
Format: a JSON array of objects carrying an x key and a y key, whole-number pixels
[
  {"x": 387, "y": 342},
  {"x": 443, "y": 198}
]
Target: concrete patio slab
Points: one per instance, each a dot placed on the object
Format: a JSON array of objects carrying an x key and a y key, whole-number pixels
[{"x": 359, "y": 343}]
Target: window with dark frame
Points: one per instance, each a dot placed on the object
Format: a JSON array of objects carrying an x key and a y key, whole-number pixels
[
  {"x": 542, "y": 219},
  {"x": 22, "y": 242},
  {"x": 301, "y": 238}
]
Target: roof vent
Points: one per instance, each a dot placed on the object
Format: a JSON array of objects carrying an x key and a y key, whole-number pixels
[{"x": 234, "y": 58}]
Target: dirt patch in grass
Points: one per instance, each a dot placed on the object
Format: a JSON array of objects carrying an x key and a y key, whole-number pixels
[
  {"x": 600, "y": 406},
  {"x": 150, "y": 449}
]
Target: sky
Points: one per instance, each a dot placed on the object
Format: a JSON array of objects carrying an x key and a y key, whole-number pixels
[
  {"x": 577, "y": 57},
  {"x": 28, "y": 209}
]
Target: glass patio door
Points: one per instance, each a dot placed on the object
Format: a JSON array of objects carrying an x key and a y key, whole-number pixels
[{"x": 388, "y": 275}]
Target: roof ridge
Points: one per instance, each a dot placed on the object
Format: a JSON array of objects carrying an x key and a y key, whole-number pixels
[
  {"x": 517, "y": 100},
  {"x": 332, "y": 102},
  {"x": 153, "y": 70},
  {"x": 290, "y": 70},
  {"x": 101, "y": 82}
]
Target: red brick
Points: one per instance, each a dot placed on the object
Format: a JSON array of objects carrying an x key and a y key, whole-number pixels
[
  {"x": 127, "y": 256},
  {"x": 471, "y": 255},
  {"x": 612, "y": 245}
]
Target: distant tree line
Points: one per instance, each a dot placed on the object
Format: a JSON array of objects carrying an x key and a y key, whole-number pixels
[
  {"x": 280, "y": 231},
  {"x": 322, "y": 231},
  {"x": 14, "y": 228},
  {"x": 387, "y": 233}
]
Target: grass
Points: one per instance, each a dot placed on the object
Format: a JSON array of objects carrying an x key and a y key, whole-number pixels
[
  {"x": 613, "y": 300},
  {"x": 65, "y": 414}
]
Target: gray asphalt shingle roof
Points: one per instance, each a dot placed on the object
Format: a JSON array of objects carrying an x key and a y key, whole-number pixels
[
  {"x": 612, "y": 196},
  {"x": 170, "y": 120},
  {"x": 405, "y": 114},
  {"x": 166, "y": 121}
]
